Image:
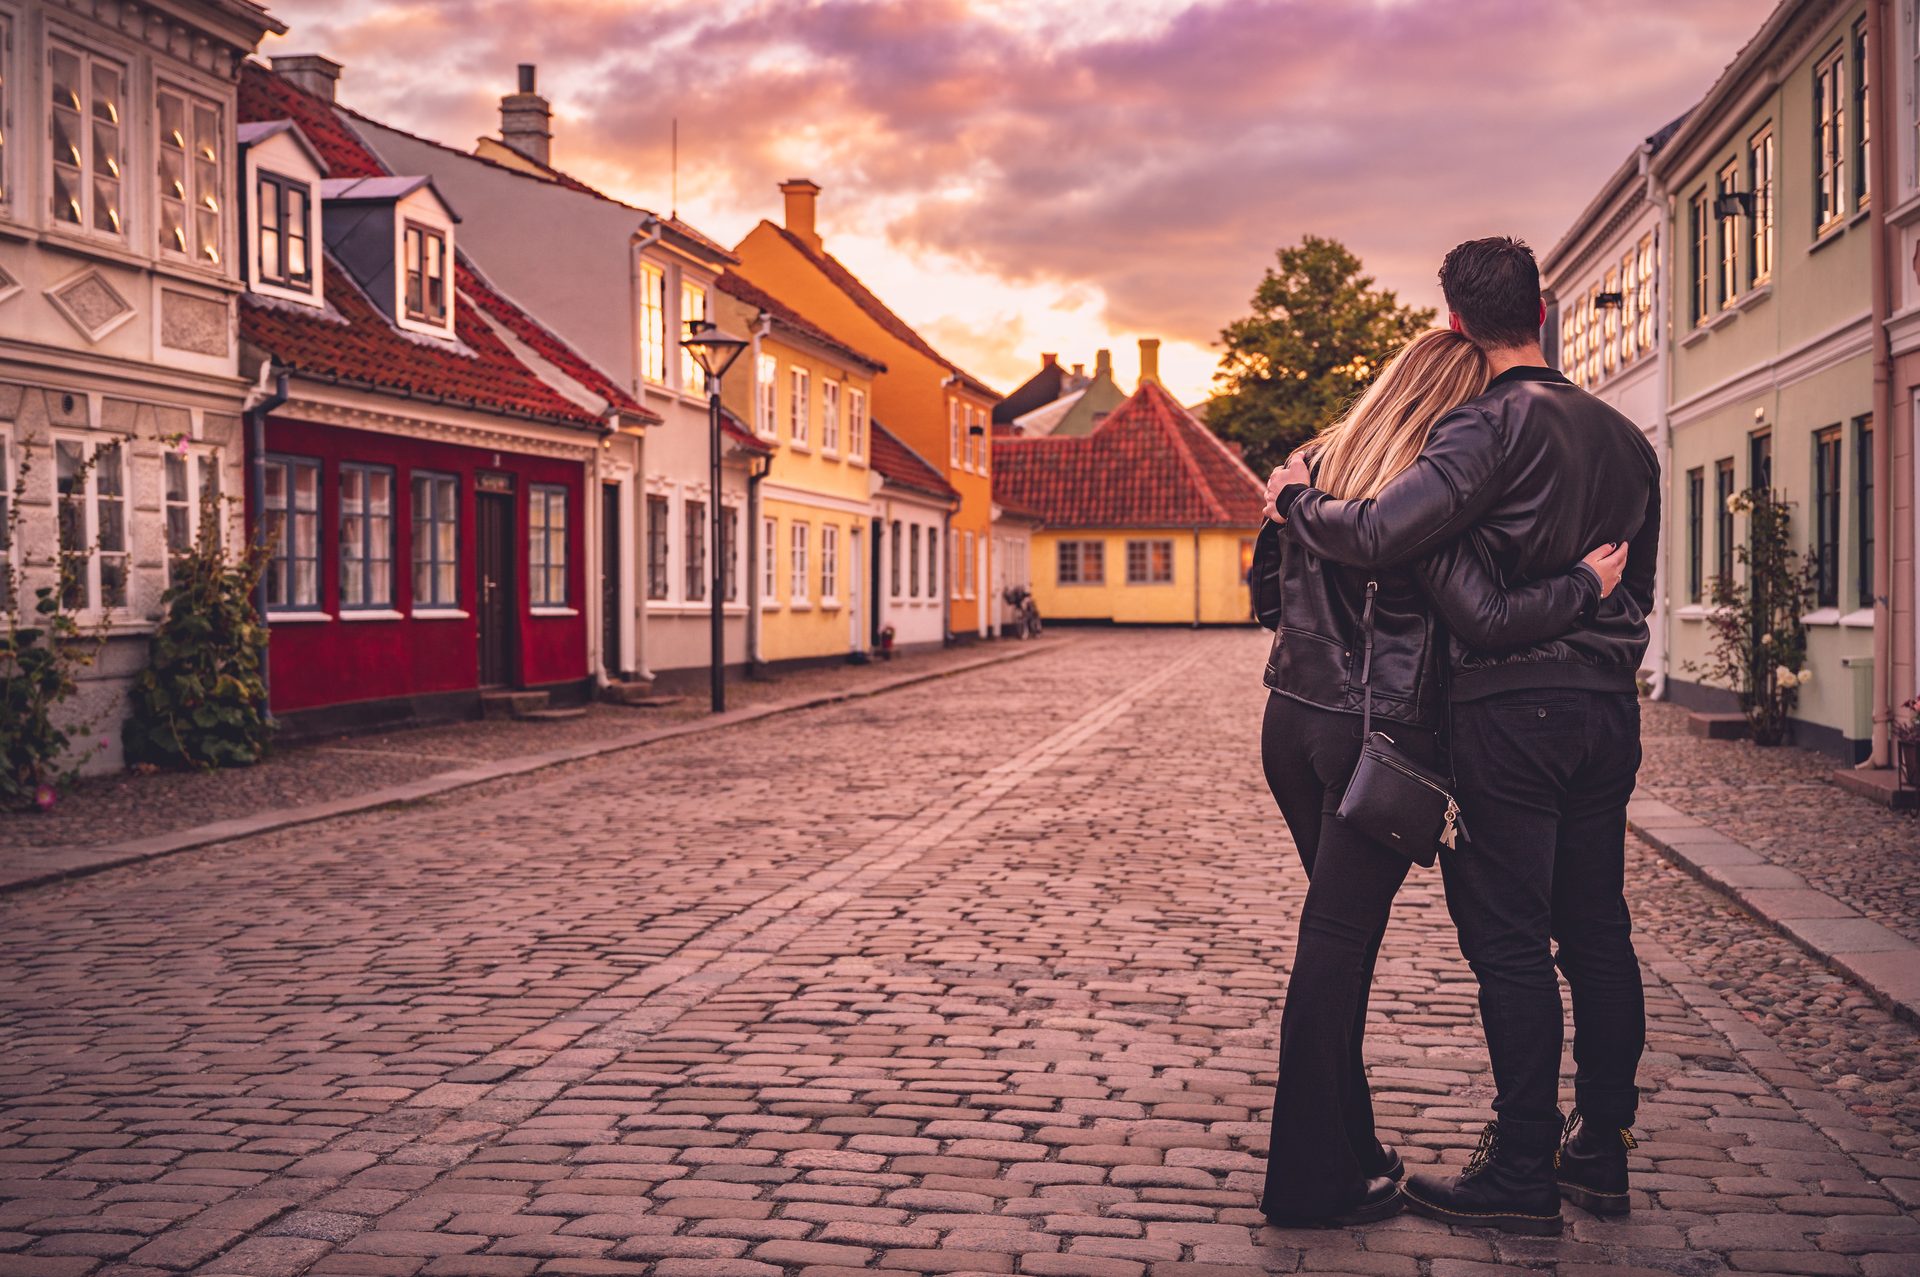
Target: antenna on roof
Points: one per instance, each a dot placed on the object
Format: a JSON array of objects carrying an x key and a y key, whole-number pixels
[{"x": 674, "y": 200}]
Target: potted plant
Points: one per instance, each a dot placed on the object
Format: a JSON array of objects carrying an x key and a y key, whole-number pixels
[
  {"x": 886, "y": 642},
  {"x": 1906, "y": 744}
]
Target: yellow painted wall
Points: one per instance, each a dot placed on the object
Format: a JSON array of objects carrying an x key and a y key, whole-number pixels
[
  {"x": 1223, "y": 587},
  {"x": 911, "y": 397}
]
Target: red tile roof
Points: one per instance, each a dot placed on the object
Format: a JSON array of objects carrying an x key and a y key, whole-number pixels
[
  {"x": 743, "y": 438},
  {"x": 367, "y": 350},
  {"x": 902, "y": 467},
  {"x": 849, "y": 283},
  {"x": 1150, "y": 464},
  {"x": 759, "y": 298}
]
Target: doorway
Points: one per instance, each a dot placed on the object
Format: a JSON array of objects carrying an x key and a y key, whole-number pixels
[{"x": 493, "y": 552}]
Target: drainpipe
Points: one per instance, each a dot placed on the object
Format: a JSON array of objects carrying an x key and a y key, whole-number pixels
[
  {"x": 1196, "y": 576},
  {"x": 947, "y": 634},
  {"x": 645, "y": 238},
  {"x": 757, "y": 469},
  {"x": 595, "y": 547},
  {"x": 1655, "y": 196},
  {"x": 261, "y": 401},
  {"x": 1882, "y": 180}
]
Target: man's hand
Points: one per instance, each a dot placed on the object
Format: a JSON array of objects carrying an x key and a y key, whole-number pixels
[{"x": 1295, "y": 471}]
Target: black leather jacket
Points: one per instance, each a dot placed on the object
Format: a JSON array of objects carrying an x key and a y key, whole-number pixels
[{"x": 1519, "y": 482}]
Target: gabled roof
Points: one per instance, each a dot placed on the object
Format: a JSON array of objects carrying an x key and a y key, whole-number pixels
[
  {"x": 901, "y": 467},
  {"x": 759, "y": 298},
  {"x": 1150, "y": 464},
  {"x": 249, "y": 134},
  {"x": 481, "y": 371},
  {"x": 742, "y": 435},
  {"x": 849, "y": 283},
  {"x": 1035, "y": 392},
  {"x": 380, "y": 190}
]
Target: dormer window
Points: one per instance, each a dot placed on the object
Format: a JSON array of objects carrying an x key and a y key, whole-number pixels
[
  {"x": 190, "y": 177},
  {"x": 426, "y": 275},
  {"x": 286, "y": 232},
  {"x": 87, "y": 133}
]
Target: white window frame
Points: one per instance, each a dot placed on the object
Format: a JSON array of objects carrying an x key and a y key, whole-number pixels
[
  {"x": 193, "y": 199},
  {"x": 730, "y": 551},
  {"x": 799, "y": 409},
  {"x": 696, "y": 563},
  {"x": 658, "y": 510},
  {"x": 973, "y": 569},
  {"x": 934, "y": 561},
  {"x": 366, "y": 555},
  {"x": 856, "y": 423},
  {"x": 769, "y": 562},
  {"x": 423, "y": 535},
  {"x": 766, "y": 396},
  {"x": 304, "y": 288},
  {"x": 198, "y": 464},
  {"x": 652, "y": 328},
  {"x": 88, "y": 167},
  {"x": 1832, "y": 92},
  {"x": 953, "y": 432},
  {"x": 288, "y": 464},
  {"x": 830, "y": 565},
  {"x": 91, "y": 604},
  {"x": 1148, "y": 575},
  {"x": 425, "y": 316},
  {"x": 1760, "y": 227},
  {"x": 539, "y": 596},
  {"x": 1726, "y": 240},
  {"x": 830, "y": 417},
  {"x": 798, "y": 535},
  {"x": 693, "y": 311}
]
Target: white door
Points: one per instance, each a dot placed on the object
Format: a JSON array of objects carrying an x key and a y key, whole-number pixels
[{"x": 856, "y": 572}]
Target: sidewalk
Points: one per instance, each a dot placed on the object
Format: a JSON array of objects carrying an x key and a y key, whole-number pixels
[
  {"x": 1835, "y": 873},
  {"x": 120, "y": 819}
]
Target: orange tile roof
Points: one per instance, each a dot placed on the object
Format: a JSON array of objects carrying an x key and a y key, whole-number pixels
[
  {"x": 1150, "y": 464},
  {"x": 901, "y": 466},
  {"x": 753, "y": 295}
]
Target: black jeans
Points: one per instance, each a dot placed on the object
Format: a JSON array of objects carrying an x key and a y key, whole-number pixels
[
  {"x": 1544, "y": 778},
  {"x": 1322, "y": 1147}
]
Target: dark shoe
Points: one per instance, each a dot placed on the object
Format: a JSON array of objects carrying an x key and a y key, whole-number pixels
[
  {"x": 1503, "y": 1186},
  {"x": 1388, "y": 1164},
  {"x": 1591, "y": 1166},
  {"x": 1379, "y": 1200}
]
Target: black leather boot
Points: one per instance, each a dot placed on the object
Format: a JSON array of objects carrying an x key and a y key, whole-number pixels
[
  {"x": 1379, "y": 1199},
  {"x": 1506, "y": 1184},
  {"x": 1591, "y": 1165},
  {"x": 1388, "y": 1164}
]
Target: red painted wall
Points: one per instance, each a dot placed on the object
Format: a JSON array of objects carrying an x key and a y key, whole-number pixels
[{"x": 337, "y": 662}]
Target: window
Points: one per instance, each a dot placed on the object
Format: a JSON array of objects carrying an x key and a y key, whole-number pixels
[
  {"x": 769, "y": 560},
  {"x": 693, "y": 312},
  {"x": 92, "y": 482},
  {"x": 188, "y": 153},
  {"x": 6, "y": 493},
  {"x": 799, "y": 400},
  {"x": 1596, "y": 336},
  {"x": 1863, "y": 126},
  {"x": 1080, "y": 563},
  {"x": 895, "y": 540},
  {"x": 88, "y": 135},
  {"x": 1826, "y": 517},
  {"x": 1863, "y": 508},
  {"x": 829, "y": 416},
  {"x": 286, "y": 228},
  {"x": 1629, "y": 306},
  {"x": 968, "y": 446},
  {"x": 653, "y": 325},
  {"x": 856, "y": 423},
  {"x": 656, "y": 547},
  {"x": 829, "y": 563},
  {"x": 1727, "y": 279},
  {"x": 729, "y": 554},
  {"x": 953, "y": 432},
  {"x": 973, "y": 566},
  {"x": 1577, "y": 348},
  {"x": 956, "y": 570},
  {"x": 1696, "y": 517},
  {"x": 188, "y": 505},
  {"x": 694, "y": 537},
  {"x": 765, "y": 373},
  {"x": 1830, "y": 139},
  {"x": 933, "y": 563},
  {"x": 1149, "y": 563},
  {"x": 1697, "y": 232},
  {"x": 913, "y": 561},
  {"x": 1760, "y": 225},
  {"x": 547, "y": 545},
  {"x": 436, "y": 540},
  {"x": 426, "y": 252},
  {"x": 1760, "y": 460},
  {"x": 1723, "y": 490},
  {"x": 293, "y": 528},
  {"x": 1610, "y": 341},
  {"x": 1646, "y": 286},
  {"x": 797, "y": 563},
  {"x": 366, "y": 536}
]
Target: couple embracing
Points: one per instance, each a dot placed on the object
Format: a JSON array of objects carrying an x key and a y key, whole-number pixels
[{"x": 1464, "y": 565}]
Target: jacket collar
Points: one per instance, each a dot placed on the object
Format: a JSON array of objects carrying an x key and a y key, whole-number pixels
[{"x": 1528, "y": 372}]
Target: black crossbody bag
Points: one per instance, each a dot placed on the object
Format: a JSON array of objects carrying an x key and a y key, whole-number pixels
[{"x": 1399, "y": 803}]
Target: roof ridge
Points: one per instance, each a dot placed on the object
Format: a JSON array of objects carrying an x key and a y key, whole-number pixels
[
  {"x": 625, "y": 401},
  {"x": 1201, "y": 428},
  {"x": 1182, "y": 448}
]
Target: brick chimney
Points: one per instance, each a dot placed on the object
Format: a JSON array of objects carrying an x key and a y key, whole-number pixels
[
  {"x": 1048, "y": 361},
  {"x": 313, "y": 72},
  {"x": 1103, "y": 365},
  {"x": 1149, "y": 360},
  {"x": 526, "y": 120},
  {"x": 801, "y": 196}
]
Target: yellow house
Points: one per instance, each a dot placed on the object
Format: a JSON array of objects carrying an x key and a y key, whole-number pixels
[
  {"x": 809, "y": 397},
  {"x": 934, "y": 406},
  {"x": 1150, "y": 519}
]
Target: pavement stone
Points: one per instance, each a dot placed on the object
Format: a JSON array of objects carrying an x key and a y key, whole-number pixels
[{"x": 980, "y": 976}]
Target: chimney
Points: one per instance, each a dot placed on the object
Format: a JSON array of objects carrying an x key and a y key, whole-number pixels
[
  {"x": 526, "y": 120},
  {"x": 1049, "y": 361},
  {"x": 1103, "y": 365},
  {"x": 1149, "y": 360},
  {"x": 313, "y": 72},
  {"x": 1079, "y": 371},
  {"x": 801, "y": 195}
]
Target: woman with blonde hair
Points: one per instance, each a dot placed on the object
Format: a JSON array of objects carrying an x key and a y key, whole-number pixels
[{"x": 1347, "y": 641}]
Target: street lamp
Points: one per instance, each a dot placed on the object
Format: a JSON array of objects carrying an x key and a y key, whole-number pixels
[{"x": 715, "y": 352}]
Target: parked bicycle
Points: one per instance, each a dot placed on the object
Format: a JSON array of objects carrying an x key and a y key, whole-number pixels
[{"x": 1026, "y": 621}]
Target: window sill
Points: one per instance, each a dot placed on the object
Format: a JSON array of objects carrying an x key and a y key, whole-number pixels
[
  {"x": 371, "y": 614},
  {"x": 1906, "y": 210},
  {"x": 1723, "y": 317},
  {"x": 798, "y": 447},
  {"x": 1827, "y": 236},
  {"x": 440, "y": 614},
  {"x": 1822, "y": 616},
  {"x": 829, "y": 605},
  {"x": 799, "y": 605},
  {"x": 297, "y": 618},
  {"x": 1698, "y": 335},
  {"x": 1862, "y": 213},
  {"x": 555, "y": 611},
  {"x": 1858, "y": 619},
  {"x": 1754, "y": 295}
]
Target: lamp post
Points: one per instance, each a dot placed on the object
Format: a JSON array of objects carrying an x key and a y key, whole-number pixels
[{"x": 715, "y": 352}]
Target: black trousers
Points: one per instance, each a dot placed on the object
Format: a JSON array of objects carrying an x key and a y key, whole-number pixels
[
  {"x": 1322, "y": 1146},
  {"x": 1544, "y": 778}
]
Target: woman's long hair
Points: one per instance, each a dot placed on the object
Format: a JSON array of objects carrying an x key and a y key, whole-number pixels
[{"x": 1387, "y": 426}]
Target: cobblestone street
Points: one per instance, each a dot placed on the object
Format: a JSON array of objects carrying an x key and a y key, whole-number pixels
[{"x": 980, "y": 975}]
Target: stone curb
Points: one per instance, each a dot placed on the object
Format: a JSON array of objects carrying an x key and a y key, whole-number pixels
[
  {"x": 1881, "y": 961},
  {"x": 59, "y": 864}
]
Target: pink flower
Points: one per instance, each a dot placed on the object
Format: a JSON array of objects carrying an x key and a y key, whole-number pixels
[
  {"x": 44, "y": 797},
  {"x": 181, "y": 447}
]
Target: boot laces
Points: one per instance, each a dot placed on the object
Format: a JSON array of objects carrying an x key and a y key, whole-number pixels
[{"x": 1483, "y": 1152}]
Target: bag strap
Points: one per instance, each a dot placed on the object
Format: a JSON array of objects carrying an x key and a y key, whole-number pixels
[{"x": 1366, "y": 665}]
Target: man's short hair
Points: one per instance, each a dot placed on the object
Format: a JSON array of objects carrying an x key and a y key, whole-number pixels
[{"x": 1493, "y": 285}]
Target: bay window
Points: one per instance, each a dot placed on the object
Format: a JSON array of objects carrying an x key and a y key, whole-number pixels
[
  {"x": 87, "y": 130},
  {"x": 366, "y": 536},
  {"x": 191, "y": 192}
]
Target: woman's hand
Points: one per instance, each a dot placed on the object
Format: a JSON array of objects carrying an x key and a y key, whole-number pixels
[
  {"x": 1295, "y": 471},
  {"x": 1608, "y": 562}
]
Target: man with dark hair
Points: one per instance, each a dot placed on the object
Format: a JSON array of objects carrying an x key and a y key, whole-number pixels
[{"x": 1545, "y": 740}]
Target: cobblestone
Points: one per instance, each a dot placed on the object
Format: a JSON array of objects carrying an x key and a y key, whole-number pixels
[{"x": 981, "y": 976}]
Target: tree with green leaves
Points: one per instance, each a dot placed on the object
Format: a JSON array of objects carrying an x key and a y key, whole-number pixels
[{"x": 1319, "y": 331}]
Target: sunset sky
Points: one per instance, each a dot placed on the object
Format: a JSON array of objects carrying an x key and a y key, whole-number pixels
[{"x": 1019, "y": 176}]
